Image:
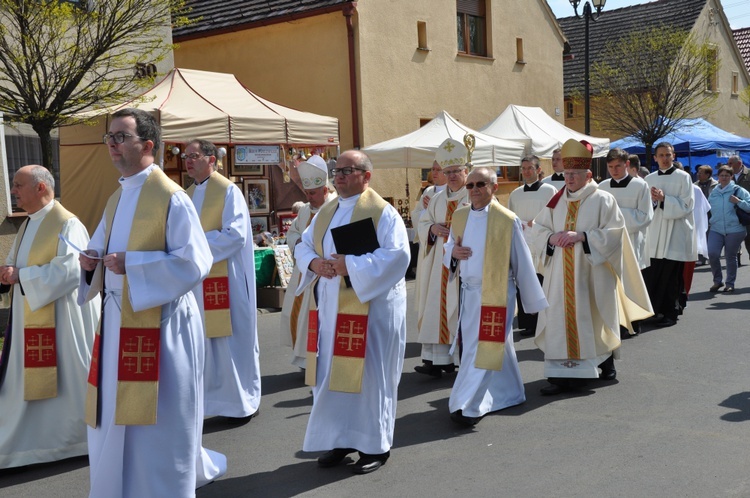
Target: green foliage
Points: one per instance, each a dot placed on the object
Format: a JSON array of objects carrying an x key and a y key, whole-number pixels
[
  {"x": 653, "y": 73},
  {"x": 59, "y": 58}
]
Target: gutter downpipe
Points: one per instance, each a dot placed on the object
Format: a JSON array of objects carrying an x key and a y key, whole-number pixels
[{"x": 348, "y": 11}]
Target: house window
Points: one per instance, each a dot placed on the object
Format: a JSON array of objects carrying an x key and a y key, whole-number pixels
[
  {"x": 712, "y": 83},
  {"x": 519, "y": 51},
  {"x": 422, "y": 35},
  {"x": 735, "y": 82},
  {"x": 471, "y": 24},
  {"x": 569, "y": 109}
]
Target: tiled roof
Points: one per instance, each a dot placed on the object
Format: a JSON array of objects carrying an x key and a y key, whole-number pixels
[
  {"x": 742, "y": 39},
  {"x": 680, "y": 14},
  {"x": 220, "y": 15}
]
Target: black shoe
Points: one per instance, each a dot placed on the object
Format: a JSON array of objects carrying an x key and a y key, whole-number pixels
[
  {"x": 334, "y": 457},
  {"x": 665, "y": 322},
  {"x": 527, "y": 332},
  {"x": 552, "y": 390},
  {"x": 461, "y": 419},
  {"x": 431, "y": 370},
  {"x": 715, "y": 287},
  {"x": 241, "y": 420},
  {"x": 370, "y": 463},
  {"x": 610, "y": 374}
]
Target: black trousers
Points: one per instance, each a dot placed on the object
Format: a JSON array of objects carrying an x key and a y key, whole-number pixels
[
  {"x": 527, "y": 321},
  {"x": 663, "y": 280}
]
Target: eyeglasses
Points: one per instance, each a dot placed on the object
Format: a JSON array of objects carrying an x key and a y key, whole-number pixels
[
  {"x": 471, "y": 185},
  {"x": 345, "y": 171},
  {"x": 118, "y": 137},
  {"x": 453, "y": 171},
  {"x": 192, "y": 156}
]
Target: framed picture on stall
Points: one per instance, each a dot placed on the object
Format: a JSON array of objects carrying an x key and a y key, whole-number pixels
[
  {"x": 185, "y": 180},
  {"x": 257, "y": 195},
  {"x": 259, "y": 224},
  {"x": 246, "y": 169}
]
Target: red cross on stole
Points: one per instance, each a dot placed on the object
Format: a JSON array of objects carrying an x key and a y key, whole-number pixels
[
  {"x": 40, "y": 363},
  {"x": 491, "y": 347}
]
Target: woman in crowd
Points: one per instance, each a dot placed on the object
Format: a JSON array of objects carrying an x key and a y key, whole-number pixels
[{"x": 725, "y": 229}]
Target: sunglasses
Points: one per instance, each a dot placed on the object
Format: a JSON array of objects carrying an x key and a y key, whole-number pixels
[{"x": 471, "y": 185}]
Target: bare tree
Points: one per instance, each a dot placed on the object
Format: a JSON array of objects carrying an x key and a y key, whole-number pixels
[
  {"x": 647, "y": 82},
  {"x": 59, "y": 58}
]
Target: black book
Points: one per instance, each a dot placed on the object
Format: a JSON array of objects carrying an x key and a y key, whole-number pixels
[{"x": 355, "y": 238}]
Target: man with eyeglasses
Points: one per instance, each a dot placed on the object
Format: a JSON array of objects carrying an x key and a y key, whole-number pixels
[
  {"x": 526, "y": 202},
  {"x": 313, "y": 175},
  {"x": 226, "y": 298},
  {"x": 144, "y": 402},
  {"x": 486, "y": 250},
  {"x": 437, "y": 297},
  {"x": 357, "y": 332},
  {"x": 590, "y": 274}
]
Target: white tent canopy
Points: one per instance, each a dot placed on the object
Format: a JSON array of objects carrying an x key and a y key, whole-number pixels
[
  {"x": 217, "y": 107},
  {"x": 545, "y": 132},
  {"x": 417, "y": 149}
]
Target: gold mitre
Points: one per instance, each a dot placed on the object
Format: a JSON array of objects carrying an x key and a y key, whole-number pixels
[
  {"x": 451, "y": 153},
  {"x": 577, "y": 155},
  {"x": 313, "y": 173}
]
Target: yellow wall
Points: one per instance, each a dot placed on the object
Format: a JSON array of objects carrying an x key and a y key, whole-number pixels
[{"x": 304, "y": 64}]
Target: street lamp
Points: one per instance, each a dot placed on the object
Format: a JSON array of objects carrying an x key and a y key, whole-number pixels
[{"x": 587, "y": 14}]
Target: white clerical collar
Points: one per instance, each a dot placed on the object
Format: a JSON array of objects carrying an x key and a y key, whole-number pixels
[
  {"x": 137, "y": 180},
  {"x": 440, "y": 188},
  {"x": 202, "y": 183},
  {"x": 40, "y": 214},
  {"x": 621, "y": 179},
  {"x": 457, "y": 192},
  {"x": 349, "y": 201},
  {"x": 481, "y": 211}
]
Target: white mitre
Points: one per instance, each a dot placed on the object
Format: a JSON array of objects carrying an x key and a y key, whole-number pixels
[{"x": 313, "y": 172}]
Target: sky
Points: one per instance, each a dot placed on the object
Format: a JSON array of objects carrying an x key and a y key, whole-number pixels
[{"x": 737, "y": 11}]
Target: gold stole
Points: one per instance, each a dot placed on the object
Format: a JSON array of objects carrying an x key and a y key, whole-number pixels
[
  {"x": 217, "y": 318},
  {"x": 140, "y": 332},
  {"x": 493, "y": 313},
  {"x": 569, "y": 271},
  {"x": 350, "y": 340},
  {"x": 40, "y": 341}
]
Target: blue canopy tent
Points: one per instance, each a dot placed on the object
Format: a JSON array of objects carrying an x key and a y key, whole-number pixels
[{"x": 695, "y": 141}]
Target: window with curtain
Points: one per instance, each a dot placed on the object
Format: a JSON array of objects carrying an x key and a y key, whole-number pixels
[{"x": 471, "y": 20}]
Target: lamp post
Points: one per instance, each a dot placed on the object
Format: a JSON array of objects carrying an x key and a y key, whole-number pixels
[{"x": 588, "y": 14}]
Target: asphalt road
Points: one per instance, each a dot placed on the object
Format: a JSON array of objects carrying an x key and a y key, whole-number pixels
[{"x": 676, "y": 422}]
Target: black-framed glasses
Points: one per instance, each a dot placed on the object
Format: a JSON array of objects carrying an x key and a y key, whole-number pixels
[
  {"x": 193, "y": 156},
  {"x": 118, "y": 137},
  {"x": 345, "y": 171},
  {"x": 471, "y": 185}
]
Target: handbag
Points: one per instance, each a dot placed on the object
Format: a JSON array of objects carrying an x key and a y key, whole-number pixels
[{"x": 742, "y": 216}]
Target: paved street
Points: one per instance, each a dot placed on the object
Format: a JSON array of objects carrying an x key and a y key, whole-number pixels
[{"x": 676, "y": 422}]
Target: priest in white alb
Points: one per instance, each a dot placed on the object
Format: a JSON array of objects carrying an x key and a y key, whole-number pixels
[
  {"x": 47, "y": 347},
  {"x": 437, "y": 297},
  {"x": 313, "y": 175},
  {"x": 226, "y": 298},
  {"x": 591, "y": 278},
  {"x": 358, "y": 330},
  {"x": 144, "y": 402},
  {"x": 487, "y": 252}
]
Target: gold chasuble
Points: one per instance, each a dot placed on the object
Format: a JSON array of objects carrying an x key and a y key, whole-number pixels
[
  {"x": 140, "y": 332},
  {"x": 40, "y": 342},
  {"x": 491, "y": 346},
  {"x": 216, "y": 298},
  {"x": 350, "y": 340},
  {"x": 297, "y": 305}
]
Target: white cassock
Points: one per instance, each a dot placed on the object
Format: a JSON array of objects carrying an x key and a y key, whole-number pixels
[
  {"x": 477, "y": 391},
  {"x": 557, "y": 180},
  {"x": 633, "y": 197},
  {"x": 429, "y": 282},
  {"x": 49, "y": 429},
  {"x": 596, "y": 304},
  {"x": 364, "y": 421},
  {"x": 700, "y": 213},
  {"x": 165, "y": 459},
  {"x": 231, "y": 378},
  {"x": 416, "y": 213},
  {"x": 527, "y": 202},
  {"x": 671, "y": 233}
]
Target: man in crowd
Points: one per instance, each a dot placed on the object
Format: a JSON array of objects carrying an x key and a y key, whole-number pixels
[
  {"x": 226, "y": 298},
  {"x": 437, "y": 304},
  {"x": 583, "y": 236},
  {"x": 356, "y": 352},
  {"x": 487, "y": 252},
  {"x": 706, "y": 181},
  {"x": 634, "y": 166},
  {"x": 439, "y": 182},
  {"x": 526, "y": 202},
  {"x": 670, "y": 235},
  {"x": 742, "y": 179},
  {"x": 556, "y": 179},
  {"x": 634, "y": 200},
  {"x": 47, "y": 348},
  {"x": 314, "y": 177},
  {"x": 144, "y": 403}
]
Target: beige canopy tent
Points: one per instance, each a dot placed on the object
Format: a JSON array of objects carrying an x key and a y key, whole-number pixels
[{"x": 188, "y": 104}]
